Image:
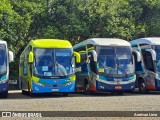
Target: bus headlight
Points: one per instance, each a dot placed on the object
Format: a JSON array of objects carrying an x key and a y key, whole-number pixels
[
  {"x": 3, "y": 81},
  {"x": 133, "y": 79}
]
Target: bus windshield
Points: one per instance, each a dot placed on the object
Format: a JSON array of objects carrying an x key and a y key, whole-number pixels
[
  {"x": 157, "y": 50},
  {"x": 3, "y": 59},
  {"x": 125, "y": 62},
  {"x": 53, "y": 62},
  {"x": 115, "y": 60}
]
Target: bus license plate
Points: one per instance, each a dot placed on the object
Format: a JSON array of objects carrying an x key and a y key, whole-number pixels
[
  {"x": 54, "y": 90},
  {"x": 118, "y": 87}
]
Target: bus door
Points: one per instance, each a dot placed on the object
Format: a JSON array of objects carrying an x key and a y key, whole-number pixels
[
  {"x": 92, "y": 56},
  {"x": 150, "y": 82}
]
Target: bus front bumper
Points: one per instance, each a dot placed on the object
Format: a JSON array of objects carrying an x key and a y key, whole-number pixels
[
  {"x": 115, "y": 87},
  {"x": 51, "y": 89}
]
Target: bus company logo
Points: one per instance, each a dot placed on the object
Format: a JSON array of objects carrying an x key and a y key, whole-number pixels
[
  {"x": 117, "y": 80},
  {"x": 6, "y": 114},
  {"x": 55, "y": 81}
]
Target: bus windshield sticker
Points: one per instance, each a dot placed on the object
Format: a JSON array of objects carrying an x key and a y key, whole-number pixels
[
  {"x": 47, "y": 73},
  {"x": 44, "y": 68},
  {"x": 100, "y": 70}
]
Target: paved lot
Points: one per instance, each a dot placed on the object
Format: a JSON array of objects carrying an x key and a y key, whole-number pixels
[{"x": 79, "y": 102}]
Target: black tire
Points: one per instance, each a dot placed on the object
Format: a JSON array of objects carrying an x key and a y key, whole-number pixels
[
  {"x": 120, "y": 93},
  {"x": 30, "y": 91},
  {"x": 65, "y": 94},
  {"x": 142, "y": 87},
  {"x": 23, "y": 92},
  {"x": 86, "y": 91},
  {"x": 4, "y": 94},
  {"x": 112, "y": 93}
]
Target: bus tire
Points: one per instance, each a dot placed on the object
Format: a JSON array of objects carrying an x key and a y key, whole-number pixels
[
  {"x": 120, "y": 93},
  {"x": 30, "y": 91},
  {"x": 142, "y": 87},
  {"x": 23, "y": 92},
  {"x": 65, "y": 94},
  {"x": 86, "y": 91},
  {"x": 4, "y": 94}
]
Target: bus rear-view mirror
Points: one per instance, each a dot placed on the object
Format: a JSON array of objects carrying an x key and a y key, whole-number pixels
[
  {"x": 31, "y": 56},
  {"x": 78, "y": 57},
  {"x": 93, "y": 52},
  {"x": 11, "y": 57},
  {"x": 138, "y": 55},
  {"x": 153, "y": 53}
]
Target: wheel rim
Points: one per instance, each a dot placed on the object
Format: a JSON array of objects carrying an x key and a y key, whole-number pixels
[
  {"x": 86, "y": 88},
  {"x": 142, "y": 86}
]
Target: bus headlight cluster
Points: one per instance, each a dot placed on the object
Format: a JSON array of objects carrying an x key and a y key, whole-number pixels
[
  {"x": 39, "y": 84},
  {"x": 132, "y": 79},
  {"x": 3, "y": 81}
]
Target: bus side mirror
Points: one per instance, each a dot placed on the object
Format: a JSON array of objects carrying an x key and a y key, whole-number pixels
[
  {"x": 138, "y": 55},
  {"x": 31, "y": 57},
  {"x": 11, "y": 57},
  {"x": 153, "y": 53},
  {"x": 94, "y": 55},
  {"x": 78, "y": 57}
]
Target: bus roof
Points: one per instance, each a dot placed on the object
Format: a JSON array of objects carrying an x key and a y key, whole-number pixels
[
  {"x": 149, "y": 40},
  {"x": 50, "y": 43},
  {"x": 3, "y": 42},
  {"x": 104, "y": 42}
]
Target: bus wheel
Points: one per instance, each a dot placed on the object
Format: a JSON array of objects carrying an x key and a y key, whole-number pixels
[
  {"x": 120, "y": 93},
  {"x": 65, "y": 94},
  {"x": 87, "y": 92},
  {"x": 23, "y": 92},
  {"x": 4, "y": 94},
  {"x": 142, "y": 87},
  {"x": 29, "y": 91}
]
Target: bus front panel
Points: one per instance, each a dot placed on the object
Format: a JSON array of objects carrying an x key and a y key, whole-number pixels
[
  {"x": 40, "y": 85},
  {"x": 115, "y": 84}
]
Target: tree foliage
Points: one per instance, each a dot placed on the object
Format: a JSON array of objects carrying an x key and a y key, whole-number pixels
[{"x": 75, "y": 20}]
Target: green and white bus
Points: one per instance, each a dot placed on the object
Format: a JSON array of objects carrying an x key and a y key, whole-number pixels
[
  {"x": 47, "y": 66},
  {"x": 106, "y": 65}
]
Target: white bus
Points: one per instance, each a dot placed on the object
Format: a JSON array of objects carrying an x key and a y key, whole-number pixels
[
  {"x": 5, "y": 57},
  {"x": 106, "y": 65},
  {"x": 148, "y": 68}
]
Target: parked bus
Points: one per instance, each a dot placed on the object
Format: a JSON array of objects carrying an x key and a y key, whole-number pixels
[
  {"x": 5, "y": 57},
  {"x": 148, "y": 68},
  {"x": 106, "y": 65},
  {"x": 48, "y": 65}
]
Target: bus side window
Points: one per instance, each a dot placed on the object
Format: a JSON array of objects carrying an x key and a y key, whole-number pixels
[
  {"x": 148, "y": 60},
  {"x": 92, "y": 63},
  {"x": 30, "y": 65},
  {"x": 25, "y": 70}
]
